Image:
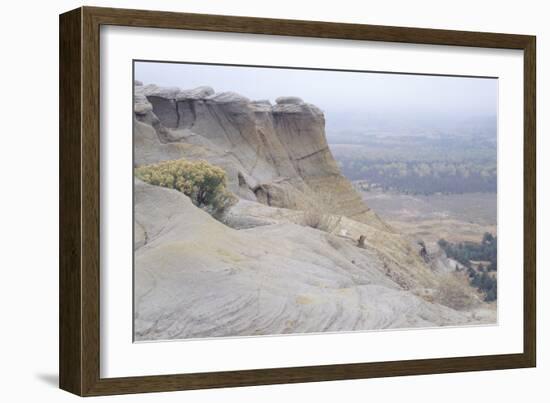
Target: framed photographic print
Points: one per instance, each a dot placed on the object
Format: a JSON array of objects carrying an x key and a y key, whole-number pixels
[{"x": 250, "y": 201}]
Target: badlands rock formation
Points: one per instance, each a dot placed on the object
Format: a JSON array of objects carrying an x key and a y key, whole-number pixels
[
  {"x": 265, "y": 270},
  {"x": 274, "y": 154}
]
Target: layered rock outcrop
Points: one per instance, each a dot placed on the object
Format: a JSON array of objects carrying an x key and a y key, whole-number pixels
[{"x": 275, "y": 154}]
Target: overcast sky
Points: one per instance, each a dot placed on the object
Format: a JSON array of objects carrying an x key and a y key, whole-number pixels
[{"x": 359, "y": 94}]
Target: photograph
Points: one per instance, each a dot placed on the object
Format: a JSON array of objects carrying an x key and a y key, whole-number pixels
[{"x": 278, "y": 200}]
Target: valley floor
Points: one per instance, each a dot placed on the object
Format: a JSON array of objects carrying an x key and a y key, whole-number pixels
[{"x": 453, "y": 217}]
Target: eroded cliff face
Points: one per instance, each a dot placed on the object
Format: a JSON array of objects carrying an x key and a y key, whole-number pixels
[{"x": 275, "y": 154}]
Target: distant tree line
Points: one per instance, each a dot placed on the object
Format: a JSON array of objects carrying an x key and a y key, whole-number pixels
[
  {"x": 421, "y": 165},
  {"x": 419, "y": 177},
  {"x": 481, "y": 277}
]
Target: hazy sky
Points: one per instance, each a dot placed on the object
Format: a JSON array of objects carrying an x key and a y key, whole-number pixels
[{"x": 358, "y": 95}]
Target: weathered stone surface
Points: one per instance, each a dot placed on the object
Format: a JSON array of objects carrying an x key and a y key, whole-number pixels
[
  {"x": 228, "y": 97},
  {"x": 196, "y": 277},
  {"x": 195, "y": 93},
  {"x": 163, "y": 92},
  {"x": 261, "y": 106}
]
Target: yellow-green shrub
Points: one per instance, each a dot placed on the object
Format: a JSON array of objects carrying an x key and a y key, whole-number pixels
[{"x": 202, "y": 182}]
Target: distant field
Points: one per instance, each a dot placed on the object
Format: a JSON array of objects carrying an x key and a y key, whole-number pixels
[{"x": 454, "y": 217}]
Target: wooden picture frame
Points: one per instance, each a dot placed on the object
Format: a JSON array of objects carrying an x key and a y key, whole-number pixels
[{"x": 79, "y": 348}]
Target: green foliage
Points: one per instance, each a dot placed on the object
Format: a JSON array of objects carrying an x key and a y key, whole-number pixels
[
  {"x": 203, "y": 183},
  {"x": 466, "y": 252}
]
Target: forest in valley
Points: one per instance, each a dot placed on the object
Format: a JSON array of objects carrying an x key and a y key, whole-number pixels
[
  {"x": 479, "y": 260},
  {"x": 419, "y": 164}
]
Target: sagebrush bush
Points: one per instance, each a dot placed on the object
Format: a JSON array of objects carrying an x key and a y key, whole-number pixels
[
  {"x": 203, "y": 183},
  {"x": 314, "y": 218}
]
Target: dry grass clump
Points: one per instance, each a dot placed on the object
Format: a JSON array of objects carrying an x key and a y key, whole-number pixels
[
  {"x": 455, "y": 293},
  {"x": 317, "y": 214},
  {"x": 314, "y": 218}
]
